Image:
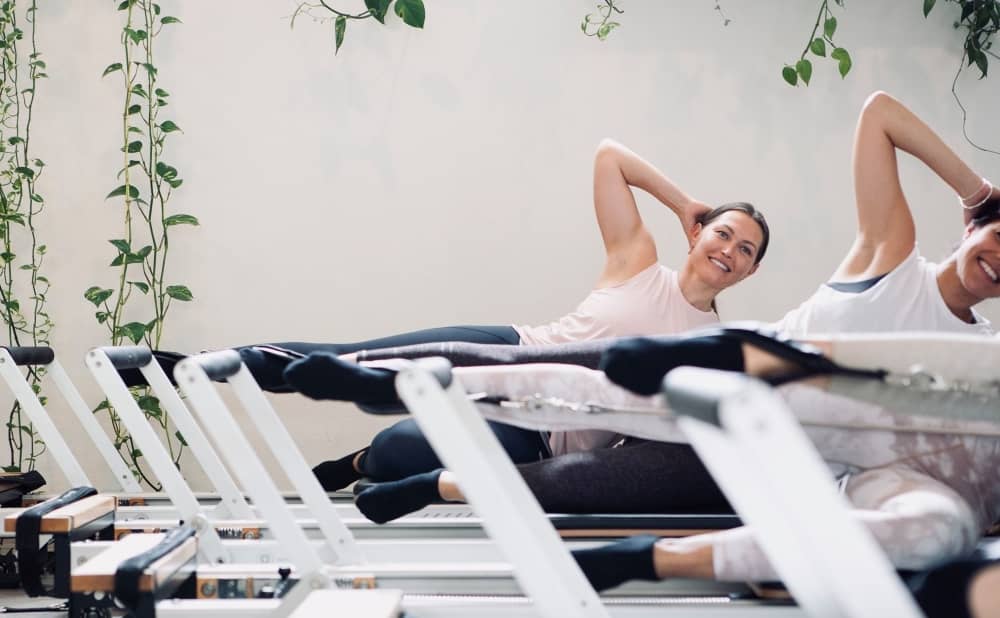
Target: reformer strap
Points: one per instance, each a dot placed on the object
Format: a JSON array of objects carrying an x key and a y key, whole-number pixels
[
  {"x": 129, "y": 573},
  {"x": 28, "y": 529},
  {"x": 28, "y": 355},
  {"x": 14, "y": 486},
  {"x": 810, "y": 360}
]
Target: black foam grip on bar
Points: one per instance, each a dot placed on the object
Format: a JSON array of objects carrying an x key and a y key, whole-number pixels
[
  {"x": 129, "y": 573},
  {"x": 697, "y": 392},
  {"x": 219, "y": 365},
  {"x": 29, "y": 355},
  {"x": 128, "y": 357},
  {"x": 440, "y": 368},
  {"x": 30, "y": 557}
]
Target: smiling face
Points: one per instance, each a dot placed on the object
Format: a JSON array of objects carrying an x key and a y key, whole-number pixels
[
  {"x": 724, "y": 251},
  {"x": 978, "y": 261}
]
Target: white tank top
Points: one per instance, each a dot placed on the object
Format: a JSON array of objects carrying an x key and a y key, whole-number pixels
[
  {"x": 649, "y": 303},
  {"x": 906, "y": 299}
]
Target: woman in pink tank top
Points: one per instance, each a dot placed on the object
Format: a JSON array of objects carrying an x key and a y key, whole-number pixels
[{"x": 634, "y": 295}]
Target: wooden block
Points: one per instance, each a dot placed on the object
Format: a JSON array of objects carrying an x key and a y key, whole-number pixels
[
  {"x": 71, "y": 516},
  {"x": 98, "y": 574}
]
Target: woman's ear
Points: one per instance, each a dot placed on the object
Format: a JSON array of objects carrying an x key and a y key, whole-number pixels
[
  {"x": 693, "y": 236},
  {"x": 971, "y": 227}
]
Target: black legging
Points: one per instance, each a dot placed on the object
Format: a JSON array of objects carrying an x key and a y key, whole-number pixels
[
  {"x": 401, "y": 450},
  {"x": 640, "y": 476},
  {"x": 267, "y": 369}
]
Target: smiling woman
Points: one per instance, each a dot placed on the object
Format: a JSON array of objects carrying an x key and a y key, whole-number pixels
[
  {"x": 883, "y": 284},
  {"x": 634, "y": 295}
]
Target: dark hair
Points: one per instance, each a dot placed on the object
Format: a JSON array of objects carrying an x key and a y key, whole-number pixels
[
  {"x": 747, "y": 209},
  {"x": 987, "y": 213}
]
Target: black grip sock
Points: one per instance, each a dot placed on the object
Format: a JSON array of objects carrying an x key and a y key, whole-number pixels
[
  {"x": 384, "y": 502},
  {"x": 639, "y": 364},
  {"x": 338, "y": 473},
  {"x": 617, "y": 563},
  {"x": 323, "y": 375}
]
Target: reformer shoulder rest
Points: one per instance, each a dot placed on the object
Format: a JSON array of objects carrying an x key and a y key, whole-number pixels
[{"x": 77, "y": 511}]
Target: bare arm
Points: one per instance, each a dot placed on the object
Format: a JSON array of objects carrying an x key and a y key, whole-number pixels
[
  {"x": 629, "y": 245},
  {"x": 886, "y": 231}
]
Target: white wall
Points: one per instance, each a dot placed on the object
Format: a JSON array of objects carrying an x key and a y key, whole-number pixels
[{"x": 442, "y": 176}]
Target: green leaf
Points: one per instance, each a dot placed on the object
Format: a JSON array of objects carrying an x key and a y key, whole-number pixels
[
  {"x": 7, "y": 256},
  {"x": 179, "y": 292},
  {"x": 133, "y": 109},
  {"x": 928, "y": 6},
  {"x": 15, "y": 140},
  {"x": 102, "y": 316},
  {"x": 412, "y": 12},
  {"x": 605, "y": 30},
  {"x": 133, "y": 191},
  {"x": 818, "y": 47},
  {"x": 150, "y": 405},
  {"x": 97, "y": 295},
  {"x": 25, "y": 171},
  {"x": 180, "y": 220},
  {"x": 982, "y": 62},
  {"x": 790, "y": 76},
  {"x": 160, "y": 92},
  {"x": 804, "y": 68},
  {"x": 121, "y": 245},
  {"x": 143, "y": 287},
  {"x": 378, "y": 9},
  {"x": 167, "y": 19},
  {"x": 339, "y": 27},
  {"x": 133, "y": 330},
  {"x": 117, "y": 66},
  {"x": 145, "y": 251},
  {"x": 180, "y": 438},
  {"x": 168, "y": 126},
  {"x": 134, "y": 147},
  {"x": 843, "y": 60},
  {"x": 124, "y": 5}
]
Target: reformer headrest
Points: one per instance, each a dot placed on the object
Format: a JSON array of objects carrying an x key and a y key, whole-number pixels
[
  {"x": 218, "y": 365},
  {"x": 31, "y": 355},
  {"x": 697, "y": 392},
  {"x": 439, "y": 367},
  {"x": 129, "y": 573},
  {"x": 127, "y": 357}
]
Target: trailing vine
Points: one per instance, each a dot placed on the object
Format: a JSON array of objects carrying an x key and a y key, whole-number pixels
[
  {"x": 802, "y": 70},
  {"x": 147, "y": 184},
  {"x": 20, "y": 205},
  {"x": 980, "y": 19},
  {"x": 412, "y": 13},
  {"x": 599, "y": 24}
]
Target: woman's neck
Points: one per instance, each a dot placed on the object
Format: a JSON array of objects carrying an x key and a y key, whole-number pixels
[
  {"x": 958, "y": 299},
  {"x": 698, "y": 294}
]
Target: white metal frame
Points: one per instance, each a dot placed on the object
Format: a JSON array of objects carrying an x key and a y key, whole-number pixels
[
  {"x": 772, "y": 474},
  {"x": 104, "y": 372},
  {"x": 511, "y": 515}
]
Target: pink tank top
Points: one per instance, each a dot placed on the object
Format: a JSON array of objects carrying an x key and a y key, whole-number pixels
[{"x": 649, "y": 303}]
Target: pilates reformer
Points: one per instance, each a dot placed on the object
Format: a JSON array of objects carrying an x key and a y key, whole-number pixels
[
  {"x": 439, "y": 521},
  {"x": 127, "y": 517},
  {"x": 541, "y": 563},
  {"x": 753, "y": 421}
]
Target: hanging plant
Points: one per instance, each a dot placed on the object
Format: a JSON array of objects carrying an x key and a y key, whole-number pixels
[
  {"x": 817, "y": 46},
  {"x": 599, "y": 24},
  {"x": 23, "y": 287},
  {"x": 145, "y": 185},
  {"x": 412, "y": 13}
]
